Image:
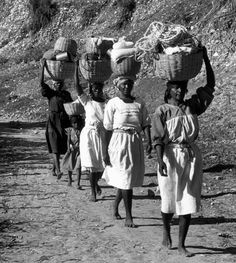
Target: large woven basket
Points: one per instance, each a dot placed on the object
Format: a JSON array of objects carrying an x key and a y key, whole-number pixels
[
  {"x": 179, "y": 66},
  {"x": 59, "y": 70},
  {"x": 92, "y": 47},
  {"x": 73, "y": 108},
  {"x": 66, "y": 45},
  {"x": 126, "y": 67},
  {"x": 95, "y": 70}
]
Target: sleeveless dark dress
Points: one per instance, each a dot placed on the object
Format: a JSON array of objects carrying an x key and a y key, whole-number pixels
[{"x": 58, "y": 119}]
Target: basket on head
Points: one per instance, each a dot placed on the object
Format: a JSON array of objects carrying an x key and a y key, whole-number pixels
[
  {"x": 59, "y": 70},
  {"x": 127, "y": 66},
  {"x": 73, "y": 108},
  {"x": 99, "y": 45},
  {"x": 66, "y": 45},
  {"x": 95, "y": 70},
  {"x": 179, "y": 66}
]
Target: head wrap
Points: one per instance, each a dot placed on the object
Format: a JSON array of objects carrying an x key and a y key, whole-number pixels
[{"x": 119, "y": 80}]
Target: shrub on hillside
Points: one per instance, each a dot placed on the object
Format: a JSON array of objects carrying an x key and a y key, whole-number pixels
[
  {"x": 91, "y": 11},
  {"x": 41, "y": 12},
  {"x": 3, "y": 60},
  {"x": 128, "y": 7}
]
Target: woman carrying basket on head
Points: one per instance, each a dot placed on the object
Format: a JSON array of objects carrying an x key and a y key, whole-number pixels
[
  {"x": 58, "y": 120},
  {"x": 175, "y": 128},
  {"x": 92, "y": 135},
  {"x": 124, "y": 119}
]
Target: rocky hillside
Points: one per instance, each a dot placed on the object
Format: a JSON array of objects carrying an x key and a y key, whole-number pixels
[{"x": 23, "y": 42}]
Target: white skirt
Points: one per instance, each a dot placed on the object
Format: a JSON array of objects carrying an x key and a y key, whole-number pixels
[
  {"x": 127, "y": 161},
  {"x": 181, "y": 189},
  {"x": 92, "y": 149}
]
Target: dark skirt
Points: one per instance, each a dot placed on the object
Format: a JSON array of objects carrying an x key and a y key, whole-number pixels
[{"x": 55, "y": 133}]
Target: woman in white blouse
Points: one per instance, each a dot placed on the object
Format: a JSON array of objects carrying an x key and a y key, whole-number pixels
[
  {"x": 92, "y": 136},
  {"x": 125, "y": 117}
]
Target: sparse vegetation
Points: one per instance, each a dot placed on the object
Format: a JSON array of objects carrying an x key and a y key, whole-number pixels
[
  {"x": 128, "y": 7},
  {"x": 42, "y": 12}
]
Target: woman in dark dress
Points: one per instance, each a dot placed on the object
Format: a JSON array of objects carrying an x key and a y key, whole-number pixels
[{"x": 57, "y": 121}]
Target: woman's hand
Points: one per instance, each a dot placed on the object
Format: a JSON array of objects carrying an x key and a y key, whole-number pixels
[
  {"x": 162, "y": 168},
  {"x": 107, "y": 159}
]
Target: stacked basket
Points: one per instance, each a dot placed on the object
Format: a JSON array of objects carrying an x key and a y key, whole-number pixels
[
  {"x": 177, "y": 55},
  {"x": 95, "y": 65},
  {"x": 123, "y": 59},
  {"x": 179, "y": 66},
  {"x": 59, "y": 61}
]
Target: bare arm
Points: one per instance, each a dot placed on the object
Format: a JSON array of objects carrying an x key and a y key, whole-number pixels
[
  {"x": 41, "y": 78},
  {"x": 161, "y": 165},
  {"x": 147, "y": 132},
  {"x": 108, "y": 135},
  {"x": 210, "y": 76},
  {"x": 68, "y": 141},
  {"x": 78, "y": 87}
]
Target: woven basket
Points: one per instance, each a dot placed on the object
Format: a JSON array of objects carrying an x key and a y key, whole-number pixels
[
  {"x": 126, "y": 67},
  {"x": 59, "y": 70},
  {"x": 104, "y": 45},
  {"x": 73, "y": 108},
  {"x": 66, "y": 45},
  {"x": 179, "y": 66},
  {"x": 95, "y": 70}
]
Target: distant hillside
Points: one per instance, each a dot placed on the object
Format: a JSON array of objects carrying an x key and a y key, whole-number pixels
[{"x": 22, "y": 40}]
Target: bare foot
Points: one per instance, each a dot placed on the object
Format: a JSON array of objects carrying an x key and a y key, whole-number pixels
[
  {"x": 167, "y": 242},
  {"x": 59, "y": 175},
  {"x": 92, "y": 198},
  {"x": 98, "y": 190},
  {"x": 183, "y": 251},
  {"x": 130, "y": 223},
  {"x": 117, "y": 216}
]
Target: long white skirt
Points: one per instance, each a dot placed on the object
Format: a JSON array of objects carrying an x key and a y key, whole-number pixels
[
  {"x": 92, "y": 149},
  {"x": 181, "y": 189},
  {"x": 127, "y": 161}
]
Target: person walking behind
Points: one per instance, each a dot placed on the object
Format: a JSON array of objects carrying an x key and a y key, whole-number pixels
[
  {"x": 57, "y": 121},
  {"x": 92, "y": 136},
  {"x": 125, "y": 118},
  {"x": 175, "y": 128},
  {"x": 71, "y": 160}
]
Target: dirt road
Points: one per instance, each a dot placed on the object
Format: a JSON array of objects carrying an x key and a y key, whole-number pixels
[{"x": 44, "y": 220}]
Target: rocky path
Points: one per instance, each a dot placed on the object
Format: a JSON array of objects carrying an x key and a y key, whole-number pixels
[{"x": 44, "y": 220}]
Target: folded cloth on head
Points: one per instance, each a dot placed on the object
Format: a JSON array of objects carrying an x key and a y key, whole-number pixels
[
  {"x": 117, "y": 54},
  {"x": 123, "y": 44},
  {"x": 174, "y": 50}
]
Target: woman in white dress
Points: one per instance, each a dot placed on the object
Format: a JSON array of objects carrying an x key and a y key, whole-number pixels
[
  {"x": 93, "y": 134},
  {"x": 125, "y": 118},
  {"x": 175, "y": 128}
]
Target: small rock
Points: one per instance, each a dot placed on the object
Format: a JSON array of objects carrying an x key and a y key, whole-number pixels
[{"x": 225, "y": 235}]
